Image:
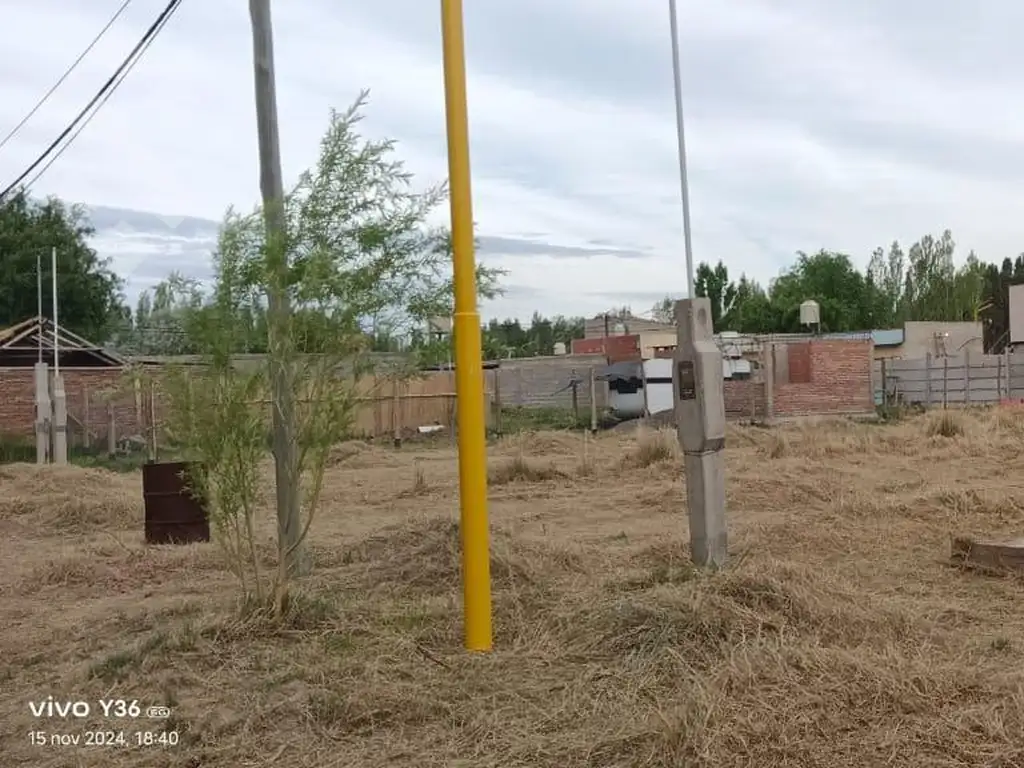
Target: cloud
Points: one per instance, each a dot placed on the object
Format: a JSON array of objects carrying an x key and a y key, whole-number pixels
[{"x": 809, "y": 125}]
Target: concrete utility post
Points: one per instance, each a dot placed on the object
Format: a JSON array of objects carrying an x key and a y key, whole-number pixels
[
  {"x": 44, "y": 412},
  {"x": 697, "y": 378},
  {"x": 289, "y": 524},
  {"x": 700, "y": 419}
]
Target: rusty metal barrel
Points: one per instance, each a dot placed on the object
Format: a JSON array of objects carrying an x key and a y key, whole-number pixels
[{"x": 174, "y": 514}]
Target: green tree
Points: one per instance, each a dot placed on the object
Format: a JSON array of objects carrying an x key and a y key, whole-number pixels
[
  {"x": 90, "y": 294},
  {"x": 887, "y": 275},
  {"x": 357, "y": 248},
  {"x": 842, "y": 292},
  {"x": 714, "y": 283},
  {"x": 752, "y": 311}
]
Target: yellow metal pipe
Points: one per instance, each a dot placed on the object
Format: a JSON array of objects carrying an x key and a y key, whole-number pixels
[{"x": 469, "y": 375}]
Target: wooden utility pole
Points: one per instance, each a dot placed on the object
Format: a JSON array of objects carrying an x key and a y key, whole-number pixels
[{"x": 281, "y": 347}]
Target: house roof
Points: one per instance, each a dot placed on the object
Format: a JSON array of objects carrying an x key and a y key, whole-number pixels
[{"x": 37, "y": 332}]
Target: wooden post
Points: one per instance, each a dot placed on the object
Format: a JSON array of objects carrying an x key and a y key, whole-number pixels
[
  {"x": 967, "y": 377},
  {"x": 396, "y": 422},
  {"x": 593, "y": 401},
  {"x": 111, "y": 430},
  {"x": 137, "y": 386},
  {"x": 885, "y": 384},
  {"x": 945, "y": 380},
  {"x": 86, "y": 421},
  {"x": 999, "y": 379},
  {"x": 1009, "y": 375},
  {"x": 928, "y": 379}
]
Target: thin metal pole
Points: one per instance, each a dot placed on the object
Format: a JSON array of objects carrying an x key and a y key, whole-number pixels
[
  {"x": 39, "y": 301},
  {"x": 56, "y": 345},
  {"x": 677, "y": 79}
]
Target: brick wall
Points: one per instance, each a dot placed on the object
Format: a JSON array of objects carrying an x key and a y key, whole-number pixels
[
  {"x": 616, "y": 348},
  {"x": 95, "y": 386},
  {"x": 836, "y": 376},
  {"x": 744, "y": 399},
  {"x": 534, "y": 381}
]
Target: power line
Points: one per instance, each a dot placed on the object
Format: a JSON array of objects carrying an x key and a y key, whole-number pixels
[
  {"x": 99, "y": 105},
  {"x": 108, "y": 87},
  {"x": 67, "y": 72}
]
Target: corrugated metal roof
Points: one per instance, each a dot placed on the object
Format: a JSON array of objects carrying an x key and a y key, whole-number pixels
[{"x": 892, "y": 337}]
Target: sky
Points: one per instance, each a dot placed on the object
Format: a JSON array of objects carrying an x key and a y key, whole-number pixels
[{"x": 810, "y": 124}]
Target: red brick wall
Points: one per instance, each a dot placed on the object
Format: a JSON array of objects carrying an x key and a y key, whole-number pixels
[
  {"x": 839, "y": 380},
  {"x": 617, "y": 349},
  {"x": 99, "y": 386},
  {"x": 744, "y": 399}
]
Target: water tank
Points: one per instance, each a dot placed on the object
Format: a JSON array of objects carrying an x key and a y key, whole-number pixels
[
  {"x": 810, "y": 313},
  {"x": 559, "y": 347}
]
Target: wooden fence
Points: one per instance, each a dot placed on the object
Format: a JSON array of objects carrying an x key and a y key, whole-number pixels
[
  {"x": 962, "y": 379},
  {"x": 399, "y": 407},
  {"x": 389, "y": 407}
]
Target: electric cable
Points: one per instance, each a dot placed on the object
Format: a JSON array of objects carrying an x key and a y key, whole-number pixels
[
  {"x": 56, "y": 156},
  {"x": 108, "y": 86},
  {"x": 67, "y": 73}
]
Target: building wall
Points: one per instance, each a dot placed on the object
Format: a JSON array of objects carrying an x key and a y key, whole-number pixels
[
  {"x": 93, "y": 386},
  {"x": 744, "y": 400},
  {"x": 650, "y": 340},
  {"x": 821, "y": 377},
  {"x": 888, "y": 352},
  {"x": 542, "y": 382},
  {"x": 617, "y": 349},
  {"x": 919, "y": 339}
]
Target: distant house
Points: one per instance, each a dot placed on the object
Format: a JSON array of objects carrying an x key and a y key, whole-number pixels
[
  {"x": 610, "y": 325},
  {"x": 24, "y": 344}
]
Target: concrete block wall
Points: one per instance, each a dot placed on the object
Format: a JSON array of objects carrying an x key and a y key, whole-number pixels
[{"x": 535, "y": 382}]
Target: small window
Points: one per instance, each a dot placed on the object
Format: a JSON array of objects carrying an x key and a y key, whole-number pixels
[{"x": 625, "y": 386}]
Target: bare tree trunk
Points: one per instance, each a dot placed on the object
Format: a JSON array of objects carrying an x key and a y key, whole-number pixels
[{"x": 279, "y": 339}]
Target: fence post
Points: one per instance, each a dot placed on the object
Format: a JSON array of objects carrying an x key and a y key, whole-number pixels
[
  {"x": 885, "y": 384},
  {"x": 945, "y": 380},
  {"x": 928, "y": 379},
  {"x": 967, "y": 377},
  {"x": 999, "y": 380},
  {"x": 1009, "y": 375},
  {"x": 111, "y": 430},
  {"x": 137, "y": 386},
  {"x": 86, "y": 421},
  {"x": 497, "y": 400},
  {"x": 396, "y": 424},
  {"x": 593, "y": 401}
]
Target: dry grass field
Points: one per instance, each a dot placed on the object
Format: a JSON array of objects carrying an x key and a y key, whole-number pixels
[{"x": 838, "y": 637}]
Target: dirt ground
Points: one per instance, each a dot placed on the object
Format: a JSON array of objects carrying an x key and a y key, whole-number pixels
[{"x": 839, "y": 635}]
